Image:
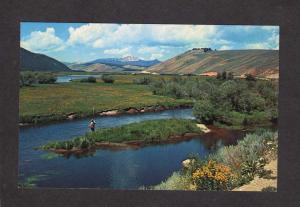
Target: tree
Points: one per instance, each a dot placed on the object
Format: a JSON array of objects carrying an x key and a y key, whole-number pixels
[
  {"x": 219, "y": 76},
  {"x": 230, "y": 76},
  {"x": 250, "y": 77},
  {"x": 204, "y": 112},
  {"x": 224, "y": 75},
  {"x": 108, "y": 79}
]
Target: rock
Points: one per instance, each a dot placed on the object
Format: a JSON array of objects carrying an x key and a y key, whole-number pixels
[
  {"x": 71, "y": 116},
  {"x": 132, "y": 111},
  {"x": 142, "y": 110},
  {"x": 188, "y": 162},
  {"x": 109, "y": 113},
  {"x": 203, "y": 128},
  {"x": 149, "y": 109}
]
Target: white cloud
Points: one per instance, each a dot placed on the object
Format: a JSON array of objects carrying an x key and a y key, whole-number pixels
[
  {"x": 117, "y": 52},
  {"x": 271, "y": 43},
  {"x": 105, "y": 35},
  {"x": 39, "y": 41},
  {"x": 225, "y": 47}
]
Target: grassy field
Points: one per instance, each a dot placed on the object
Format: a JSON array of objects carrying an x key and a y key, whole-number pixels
[
  {"x": 153, "y": 131},
  {"x": 54, "y": 101}
]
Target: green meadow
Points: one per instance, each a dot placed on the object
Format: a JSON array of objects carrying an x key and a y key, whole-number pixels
[{"x": 48, "y": 102}]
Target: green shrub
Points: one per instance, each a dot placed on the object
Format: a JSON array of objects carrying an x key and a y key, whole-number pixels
[
  {"x": 246, "y": 159},
  {"x": 90, "y": 79},
  {"x": 27, "y": 78},
  {"x": 46, "y": 78},
  {"x": 177, "y": 181},
  {"x": 250, "y": 77},
  {"x": 204, "y": 112},
  {"x": 108, "y": 79},
  {"x": 143, "y": 81}
]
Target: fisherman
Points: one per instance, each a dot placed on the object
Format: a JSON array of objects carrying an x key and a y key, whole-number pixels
[{"x": 92, "y": 125}]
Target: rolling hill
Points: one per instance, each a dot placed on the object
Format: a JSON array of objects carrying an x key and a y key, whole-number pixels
[
  {"x": 39, "y": 62},
  {"x": 264, "y": 63}
]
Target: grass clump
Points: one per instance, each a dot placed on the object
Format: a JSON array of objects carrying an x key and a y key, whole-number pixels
[{"x": 147, "y": 132}]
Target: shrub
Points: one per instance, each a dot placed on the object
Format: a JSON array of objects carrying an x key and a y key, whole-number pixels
[
  {"x": 177, "y": 181},
  {"x": 90, "y": 79},
  {"x": 108, "y": 79},
  {"x": 142, "y": 81},
  {"x": 46, "y": 78},
  {"x": 204, "y": 111},
  {"x": 230, "y": 76},
  {"x": 249, "y": 77},
  {"x": 213, "y": 176},
  {"x": 246, "y": 159},
  {"x": 27, "y": 78}
]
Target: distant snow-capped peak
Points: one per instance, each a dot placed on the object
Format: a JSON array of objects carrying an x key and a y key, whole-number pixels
[{"x": 129, "y": 58}]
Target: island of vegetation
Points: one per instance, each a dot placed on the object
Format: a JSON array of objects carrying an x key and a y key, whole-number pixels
[{"x": 130, "y": 135}]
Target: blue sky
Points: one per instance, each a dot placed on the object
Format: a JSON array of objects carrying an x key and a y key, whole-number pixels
[{"x": 81, "y": 42}]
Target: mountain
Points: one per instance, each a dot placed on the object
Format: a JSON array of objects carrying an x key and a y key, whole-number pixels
[
  {"x": 263, "y": 63},
  {"x": 39, "y": 62},
  {"x": 129, "y": 60}
]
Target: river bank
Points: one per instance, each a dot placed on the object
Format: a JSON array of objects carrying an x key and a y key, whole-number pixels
[
  {"x": 251, "y": 165},
  {"x": 112, "y": 112}
]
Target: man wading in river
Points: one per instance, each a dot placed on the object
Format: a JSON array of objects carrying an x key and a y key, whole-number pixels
[{"x": 92, "y": 125}]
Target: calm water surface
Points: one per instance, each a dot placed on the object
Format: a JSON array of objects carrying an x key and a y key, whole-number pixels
[
  {"x": 122, "y": 169},
  {"x": 68, "y": 78}
]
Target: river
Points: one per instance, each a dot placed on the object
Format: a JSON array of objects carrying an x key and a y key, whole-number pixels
[
  {"x": 114, "y": 169},
  {"x": 68, "y": 78}
]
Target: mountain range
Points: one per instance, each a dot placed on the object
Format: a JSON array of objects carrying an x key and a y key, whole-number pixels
[{"x": 264, "y": 63}]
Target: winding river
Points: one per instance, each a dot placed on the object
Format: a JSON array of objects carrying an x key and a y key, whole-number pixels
[{"x": 115, "y": 169}]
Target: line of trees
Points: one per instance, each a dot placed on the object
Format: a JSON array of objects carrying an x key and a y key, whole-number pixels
[
  {"x": 228, "y": 101},
  {"x": 28, "y": 78}
]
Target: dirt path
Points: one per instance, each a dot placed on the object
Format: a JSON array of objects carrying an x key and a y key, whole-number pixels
[{"x": 259, "y": 183}]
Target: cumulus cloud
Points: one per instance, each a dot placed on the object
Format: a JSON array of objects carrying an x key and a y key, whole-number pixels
[
  {"x": 39, "y": 41},
  {"x": 152, "y": 41},
  {"x": 118, "y": 51}
]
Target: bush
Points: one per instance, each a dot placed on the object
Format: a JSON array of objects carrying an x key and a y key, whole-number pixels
[
  {"x": 108, "y": 79},
  {"x": 249, "y": 77},
  {"x": 46, "y": 78},
  {"x": 142, "y": 81},
  {"x": 204, "y": 112},
  {"x": 246, "y": 159},
  {"x": 213, "y": 176},
  {"x": 90, "y": 79},
  {"x": 27, "y": 78},
  {"x": 177, "y": 181}
]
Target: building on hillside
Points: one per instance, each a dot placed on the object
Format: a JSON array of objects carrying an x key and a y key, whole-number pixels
[
  {"x": 209, "y": 74},
  {"x": 203, "y": 49}
]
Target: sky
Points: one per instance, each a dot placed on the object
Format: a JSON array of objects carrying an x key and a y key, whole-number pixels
[{"x": 82, "y": 42}]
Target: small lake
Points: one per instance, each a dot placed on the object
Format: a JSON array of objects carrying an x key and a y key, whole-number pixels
[
  {"x": 68, "y": 78},
  {"x": 121, "y": 169}
]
